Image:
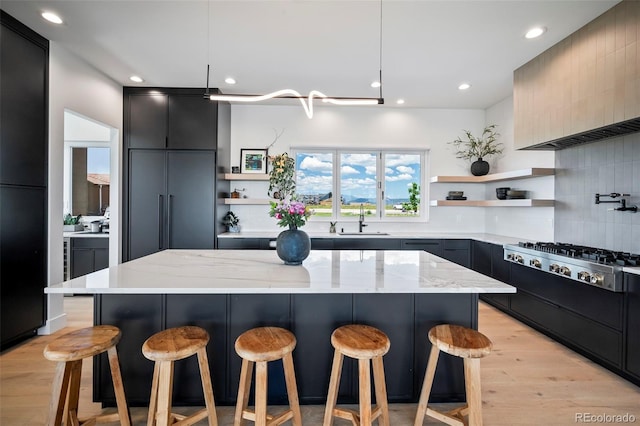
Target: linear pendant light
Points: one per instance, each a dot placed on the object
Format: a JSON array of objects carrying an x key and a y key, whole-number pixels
[{"x": 306, "y": 101}]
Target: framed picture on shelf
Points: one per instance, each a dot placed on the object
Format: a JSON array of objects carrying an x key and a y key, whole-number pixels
[{"x": 253, "y": 160}]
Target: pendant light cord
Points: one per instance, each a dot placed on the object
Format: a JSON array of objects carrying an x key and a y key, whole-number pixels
[
  {"x": 380, "y": 46},
  {"x": 208, "y": 55}
]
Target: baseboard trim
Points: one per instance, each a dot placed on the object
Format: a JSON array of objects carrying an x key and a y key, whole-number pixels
[{"x": 53, "y": 324}]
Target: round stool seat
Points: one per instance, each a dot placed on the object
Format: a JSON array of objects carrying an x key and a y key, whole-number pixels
[
  {"x": 83, "y": 343},
  {"x": 360, "y": 341},
  {"x": 174, "y": 344},
  {"x": 460, "y": 341},
  {"x": 264, "y": 344}
]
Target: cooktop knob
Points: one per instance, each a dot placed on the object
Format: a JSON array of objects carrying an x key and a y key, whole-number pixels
[
  {"x": 597, "y": 279},
  {"x": 519, "y": 259},
  {"x": 584, "y": 276},
  {"x": 554, "y": 267},
  {"x": 564, "y": 270},
  {"x": 535, "y": 263}
]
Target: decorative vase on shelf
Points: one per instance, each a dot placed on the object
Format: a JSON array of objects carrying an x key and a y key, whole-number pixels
[
  {"x": 479, "y": 167},
  {"x": 293, "y": 246}
]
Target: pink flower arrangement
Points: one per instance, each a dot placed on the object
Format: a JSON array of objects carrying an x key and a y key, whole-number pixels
[{"x": 290, "y": 213}]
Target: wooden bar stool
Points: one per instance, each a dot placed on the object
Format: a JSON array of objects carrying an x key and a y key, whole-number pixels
[
  {"x": 465, "y": 343},
  {"x": 164, "y": 348},
  {"x": 366, "y": 344},
  {"x": 259, "y": 346},
  {"x": 69, "y": 350}
]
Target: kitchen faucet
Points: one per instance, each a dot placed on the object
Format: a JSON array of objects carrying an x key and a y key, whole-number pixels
[{"x": 361, "y": 223}]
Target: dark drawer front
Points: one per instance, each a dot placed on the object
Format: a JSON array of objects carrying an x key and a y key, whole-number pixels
[
  {"x": 243, "y": 243},
  {"x": 456, "y": 244},
  {"x": 430, "y": 246},
  {"x": 595, "y": 338},
  {"x": 599, "y": 305},
  {"x": 363, "y": 243},
  {"x": 80, "y": 243}
]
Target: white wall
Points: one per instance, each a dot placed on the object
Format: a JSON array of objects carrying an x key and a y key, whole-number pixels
[
  {"x": 75, "y": 85},
  {"x": 524, "y": 223},
  {"x": 252, "y": 126}
]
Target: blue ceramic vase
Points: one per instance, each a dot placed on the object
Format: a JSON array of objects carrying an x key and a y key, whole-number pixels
[{"x": 293, "y": 246}]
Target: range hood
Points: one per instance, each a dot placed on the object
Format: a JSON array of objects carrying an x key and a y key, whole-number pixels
[{"x": 609, "y": 131}]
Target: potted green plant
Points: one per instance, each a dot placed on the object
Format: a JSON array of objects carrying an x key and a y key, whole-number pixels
[
  {"x": 231, "y": 221},
  {"x": 282, "y": 184},
  {"x": 476, "y": 148},
  {"x": 72, "y": 223}
]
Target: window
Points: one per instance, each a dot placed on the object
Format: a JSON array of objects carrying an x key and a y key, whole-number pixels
[{"x": 385, "y": 184}]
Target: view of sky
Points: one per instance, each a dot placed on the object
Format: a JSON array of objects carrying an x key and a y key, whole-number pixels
[
  {"x": 98, "y": 160},
  {"x": 358, "y": 174}
]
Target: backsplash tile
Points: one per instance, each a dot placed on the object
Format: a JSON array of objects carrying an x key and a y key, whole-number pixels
[{"x": 602, "y": 167}]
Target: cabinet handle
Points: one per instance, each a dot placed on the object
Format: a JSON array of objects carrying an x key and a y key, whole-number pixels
[
  {"x": 160, "y": 222},
  {"x": 169, "y": 220}
]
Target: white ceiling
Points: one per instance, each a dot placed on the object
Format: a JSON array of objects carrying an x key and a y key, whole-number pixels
[{"x": 428, "y": 47}]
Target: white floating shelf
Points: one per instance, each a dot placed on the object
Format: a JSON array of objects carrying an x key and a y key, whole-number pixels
[
  {"x": 492, "y": 203},
  {"x": 496, "y": 177},
  {"x": 246, "y": 176},
  {"x": 247, "y": 201}
]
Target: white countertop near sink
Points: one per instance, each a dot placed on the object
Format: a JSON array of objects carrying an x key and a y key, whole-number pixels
[
  {"x": 261, "y": 271},
  {"x": 488, "y": 238},
  {"x": 632, "y": 270}
]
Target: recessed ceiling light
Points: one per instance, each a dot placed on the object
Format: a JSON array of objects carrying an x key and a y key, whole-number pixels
[
  {"x": 535, "y": 32},
  {"x": 400, "y": 101},
  {"x": 52, "y": 17},
  {"x": 464, "y": 86},
  {"x": 230, "y": 80},
  {"x": 136, "y": 79},
  {"x": 376, "y": 84}
]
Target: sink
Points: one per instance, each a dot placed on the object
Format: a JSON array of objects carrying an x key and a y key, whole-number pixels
[{"x": 362, "y": 233}]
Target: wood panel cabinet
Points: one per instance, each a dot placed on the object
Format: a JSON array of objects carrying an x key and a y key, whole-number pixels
[{"x": 587, "y": 81}]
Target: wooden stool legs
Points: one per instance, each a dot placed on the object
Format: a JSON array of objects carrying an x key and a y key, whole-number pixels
[
  {"x": 366, "y": 415},
  {"x": 66, "y": 393},
  {"x": 161, "y": 395},
  {"x": 260, "y": 416},
  {"x": 470, "y": 345}
]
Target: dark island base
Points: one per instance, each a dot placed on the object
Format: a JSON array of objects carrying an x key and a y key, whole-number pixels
[{"x": 405, "y": 318}]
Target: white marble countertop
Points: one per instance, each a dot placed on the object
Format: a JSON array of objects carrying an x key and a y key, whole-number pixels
[
  {"x": 261, "y": 271},
  {"x": 488, "y": 238}
]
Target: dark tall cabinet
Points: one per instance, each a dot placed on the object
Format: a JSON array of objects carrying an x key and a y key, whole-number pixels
[
  {"x": 24, "y": 57},
  {"x": 171, "y": 138},
  {"x": 171, "y": 201}
]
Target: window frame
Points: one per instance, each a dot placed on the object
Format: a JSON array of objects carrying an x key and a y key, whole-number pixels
[{"x": 380, "y": 154}]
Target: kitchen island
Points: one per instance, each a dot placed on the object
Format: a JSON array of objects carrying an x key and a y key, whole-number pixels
[{"x": 404, "y": 293}]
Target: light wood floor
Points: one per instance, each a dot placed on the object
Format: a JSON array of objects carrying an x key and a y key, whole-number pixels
[{"x": 527, "y": 380}]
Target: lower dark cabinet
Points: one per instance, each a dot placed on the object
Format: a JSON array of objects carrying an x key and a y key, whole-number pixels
[
  {"x": 405, "y": 318},
  {"x": 594, "y": 339},
  {"x": 632, "y": 330},
  {"x": 88, "y": 255},
  {"x": 457, "y": 251},
  {"x": 243, "y": 243},
  {"x": 430, "y": 246}
]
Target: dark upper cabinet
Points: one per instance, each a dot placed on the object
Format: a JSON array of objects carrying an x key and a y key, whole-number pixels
[
  {"x": 171, "y": 201},
  {"x": 192, "y": 122},
  {"x": 148, "y": 120},
  {"x": 24, "y": 58},
  {"x": 169, "y": 119}
]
